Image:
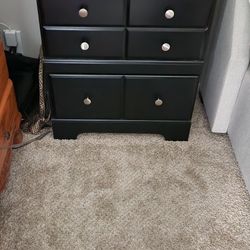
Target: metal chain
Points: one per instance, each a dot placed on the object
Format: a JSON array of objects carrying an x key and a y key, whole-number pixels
[{"x": 41, "y": 120}]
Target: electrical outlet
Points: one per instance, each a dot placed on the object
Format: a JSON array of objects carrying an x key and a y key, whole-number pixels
[
  {"x": 19, "y": 42},
  {"x": 10, "y": 38},
  {"x": 13, "y": 39}
]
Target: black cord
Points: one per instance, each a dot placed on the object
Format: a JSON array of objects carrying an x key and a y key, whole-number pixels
[
  {"x": 21, "y": 145},
  {"x": 13, "y": 50}
]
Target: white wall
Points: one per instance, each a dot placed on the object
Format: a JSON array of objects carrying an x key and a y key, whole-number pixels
[
  {"x": 22, "y": 15},
  {"x": 228, "y": 65},
  {"x": 239, "y": 129}
]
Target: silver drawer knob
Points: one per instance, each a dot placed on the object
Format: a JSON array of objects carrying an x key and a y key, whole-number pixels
[
  {"x": 84, "y": 46},
  {"x": 83, "y": 13},
  {"x": 158, "y": 102},
  {"x": 169, "y": 14},
  {"x": 87, "y": 101},
  {"x": 166, "y": 47}
]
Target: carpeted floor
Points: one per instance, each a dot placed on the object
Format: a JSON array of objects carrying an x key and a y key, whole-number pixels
[{"x": 128, "y": 192}]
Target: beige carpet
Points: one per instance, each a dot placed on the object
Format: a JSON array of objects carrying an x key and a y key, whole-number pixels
[{"x": 132, "y": 192}]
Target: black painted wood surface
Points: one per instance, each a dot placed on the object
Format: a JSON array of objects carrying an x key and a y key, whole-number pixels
[
  {"x": 188, "y": 13},
  {"x": 63, "y": 42},
  {"x": 124, "y": 70},
  {"x": 120, "y": 67},
  {"x": 66, "y": 12},
  {"x": 186, "y": 44},
  {"x": 104, "y": 91},
  {"x": 177, "y": 94},
  {"x": 171, "y": 130}
]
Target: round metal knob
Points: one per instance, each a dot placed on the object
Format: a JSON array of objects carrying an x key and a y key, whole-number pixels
[
  {"x": 169, "y": 14},
  {"x": 87, "y": 101},
  {"x": 83, "y": 13},
  {"x": 166, "y": 47},
  {"x": 84, "y": 46},
  {"x": 158, "y": 102}
]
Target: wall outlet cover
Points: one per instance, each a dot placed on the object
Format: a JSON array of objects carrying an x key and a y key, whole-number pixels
[
  {"x": 10, "y": 38},
  {"x": 13, "y": 38},
  {"x": 19, "y": 42}
]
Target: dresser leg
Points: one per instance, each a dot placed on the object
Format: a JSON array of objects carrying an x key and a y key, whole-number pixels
[
  {"x": 177, "y": 138},
  {"x": 181, "y": 134},
  {"x": 64, "y": 134}
]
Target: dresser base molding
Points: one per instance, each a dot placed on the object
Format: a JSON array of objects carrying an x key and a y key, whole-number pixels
[{"x": 171, "y": 130}]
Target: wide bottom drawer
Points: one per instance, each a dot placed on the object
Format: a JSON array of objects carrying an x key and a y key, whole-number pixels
[{"x": 123, "y": 97}]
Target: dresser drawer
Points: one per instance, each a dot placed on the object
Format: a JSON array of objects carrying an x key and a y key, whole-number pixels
[
  {"x": 165, "y": 45},
  {"x": 170, "y": 13},
  {"x": 87, "y": 96},
  {"x": 82, "y": 43},
  {"x": 82, "y": 12},
  {"x": 160, "y": 97}
]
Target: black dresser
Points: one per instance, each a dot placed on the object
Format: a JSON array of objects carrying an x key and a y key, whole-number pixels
[{"x": 126, "y": 66}]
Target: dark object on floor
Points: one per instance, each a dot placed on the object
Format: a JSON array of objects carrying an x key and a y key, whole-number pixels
[
  {"x": 24, "y": 74},
  {"x": 42, "y": 118},
  {"x": 28, "y": 142},
  {"x": 27, "y": 75},
  {"x": 10, "y": 119}
]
